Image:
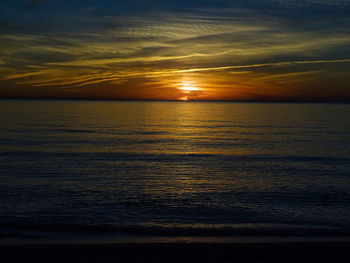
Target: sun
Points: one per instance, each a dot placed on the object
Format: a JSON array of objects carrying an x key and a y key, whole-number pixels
[
  {"x": 188, "y": 91},
  {"x": 188, "y": 88}
]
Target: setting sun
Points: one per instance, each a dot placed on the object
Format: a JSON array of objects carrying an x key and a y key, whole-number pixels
[{"x": 188, "y": 88}]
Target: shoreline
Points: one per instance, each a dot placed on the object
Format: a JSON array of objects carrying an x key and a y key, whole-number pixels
[
  {"x": 117, "y": 240},
  {"x": 178, "y": 252}
]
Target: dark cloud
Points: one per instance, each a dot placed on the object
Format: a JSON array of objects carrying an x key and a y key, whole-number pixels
[{"x": 31, "y": 4}]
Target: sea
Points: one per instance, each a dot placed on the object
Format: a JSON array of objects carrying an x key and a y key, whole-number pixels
[{"x": 166, "y": 170}]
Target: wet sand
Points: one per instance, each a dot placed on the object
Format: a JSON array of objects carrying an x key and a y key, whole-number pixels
[{"x": 178, "y": 252}]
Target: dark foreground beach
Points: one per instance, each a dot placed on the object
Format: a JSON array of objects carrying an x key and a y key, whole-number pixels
[{"x": 179, "y": 252}]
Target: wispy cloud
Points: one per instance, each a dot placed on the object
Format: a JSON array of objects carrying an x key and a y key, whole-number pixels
[
  {"x": 309, "y": 3},
  {"x": 228, "y": 48}
]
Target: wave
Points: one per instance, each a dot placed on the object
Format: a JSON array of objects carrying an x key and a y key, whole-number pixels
[
  {"x": 12, "y": 230},
  {"x": 176, "y": 156}
]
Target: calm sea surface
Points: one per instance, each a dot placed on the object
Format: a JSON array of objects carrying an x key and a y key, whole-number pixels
[{"x": 173, "y": 169}]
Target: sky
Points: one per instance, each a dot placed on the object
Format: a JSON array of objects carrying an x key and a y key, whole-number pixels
[{"x": 249, "y": 50}]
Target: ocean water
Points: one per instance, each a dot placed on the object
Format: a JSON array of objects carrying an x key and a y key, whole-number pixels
[{"x": 199, "y": 169}]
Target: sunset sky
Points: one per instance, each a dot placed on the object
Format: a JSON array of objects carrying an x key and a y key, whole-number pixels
[{"x": 279, "y": 50}]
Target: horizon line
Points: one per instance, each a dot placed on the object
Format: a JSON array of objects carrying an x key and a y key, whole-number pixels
[{"x": 182, "y": 101}]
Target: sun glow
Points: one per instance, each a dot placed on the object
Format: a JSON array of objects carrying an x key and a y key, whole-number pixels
[{"x": 188, "y": 88}]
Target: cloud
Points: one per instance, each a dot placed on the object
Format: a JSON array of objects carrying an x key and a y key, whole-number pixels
[
  {"x": 238, "y": 51},
  {"x": 31, "y": 4},
  {"x": 309, "y": 3}
]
